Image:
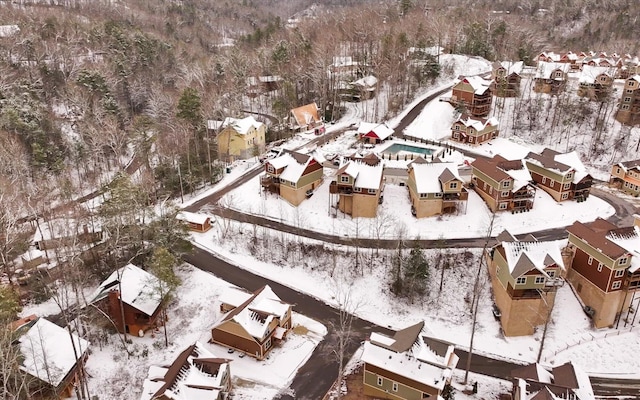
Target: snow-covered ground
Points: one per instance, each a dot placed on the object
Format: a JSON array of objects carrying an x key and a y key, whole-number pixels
[
  {"x": 325, "y": 276},
  {"x": 191, "y": 315}
]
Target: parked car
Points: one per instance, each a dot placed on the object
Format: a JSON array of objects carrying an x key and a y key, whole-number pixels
[
  {"x": 496, "y": 312},
  {"x": 309, "y": 193}
]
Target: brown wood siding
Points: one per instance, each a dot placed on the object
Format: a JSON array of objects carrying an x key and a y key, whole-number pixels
[
  {"x": 581, "y": 265},
  {"x": 224, "y": 338},
  {"x": 401, "y": 379}
]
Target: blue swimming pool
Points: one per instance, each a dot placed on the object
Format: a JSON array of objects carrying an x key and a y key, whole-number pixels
[{"x": 398, "y": 147}]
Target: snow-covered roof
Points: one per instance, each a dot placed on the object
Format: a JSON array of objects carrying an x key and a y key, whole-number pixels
[
  {"x": 234, "y": 296},
  {"x": 8, "y": 30},
  {"x": 550, "y": 55},
  {"x": 419, "y": 358},
  {"x": 306, "y": 115},
  {"x": 512, "y": 67},
  {"x": 546, "y": 69},
  {"x": 343, "y": 61},
  {"x": 560, "y": 163},
  {"x": 64, "y": 228},
  {"x": 381, "y": 131},
  {"x": 368, "y": 82},
  {"x": 247, "y": 315},
  {"x": 214, "y": 125},
  {"x": 476, "y": 123},
  {"x": 32, "y": 254},
  {"x": 590, "y": 73},
  {"x": 365, "y": 176},
  {"x": 196, "y": 374},
  {"x": 629, "y": 240},
  {"x": 522, "y": 256},
  {"x": 427, "y": 176},
  {"x": 193, "y": 218},
  {"x": 48, "y": 351},
  {"x": 479, "y": 84},
  {"x": 294, "y": 164},
  {"x": 137, "y": 287},
  {"x": 242, "y": 126}
]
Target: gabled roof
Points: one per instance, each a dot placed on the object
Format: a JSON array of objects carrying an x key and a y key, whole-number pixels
[
  {"x": 476, "y": 123},
  {"x": 564, "y": 381},
  {"x": 48, "y": 350},
  {"x": 305, "y": 115},
  {"x": 511, "y": 67},
  {"x": 560, "y": 163},
  {"x": 590, "y": 73},
  {"x": 545, "y": 69},
  {"x": 430, "y": 177},
  {"x": 499, "y": 169},
  {"x": 522, "y": 256},
  {"x": 368, "y": 82},
  {"x": 137, "y": 287},
  {"x": 412, "y": 354},
  {"x": 257, "y": 312},
  {"x": 195, "y": 374},
  {"x": 380, "y": 131},
  {"x": 479, "y": 85},
  {"x": 627, "y": 165},
  {"x": 241, "y": 126},
  {"x": 596, "y": 235},
  {"x": 294, "y": 164},
  {"x": 193, "y": 218},
  {"x": 365, "y": 176},
  {"x": 629, "y": 239}
]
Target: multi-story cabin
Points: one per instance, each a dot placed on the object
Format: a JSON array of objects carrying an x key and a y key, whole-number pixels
[
  {"x": 596, "y": 83},
  {"x": 435, "y": 188},
  {"x": 505, "y": 78},
  {"x": 505, "y": 185},
  {"x": 239, "y": 138},
  {"x": 626, "y": 177},
  {"x": 550, "y": 77},
  {"x": 408, "y": 365},
  {"x": 629, "y": 106},
  {"x": 306, "y": 118},
  {"x": 359, "y": 185},
  {"x": 50, "y": 354},
  {"x": 605, "y": 271},
  {"x": 130, "y": 296},
  {"x": 473, "y": 94},
  {"x": 523, "y": 275},
  {"x": 196, "y": 373},
  {"x": 565, "y": 381},
  {"x": 253, "y": 321},
  {"x": 292, "y": 175},
  {"x": 562, "y": 175},
  {"x": 548, "y": 56},
  {"x": 474, "y": 131}
]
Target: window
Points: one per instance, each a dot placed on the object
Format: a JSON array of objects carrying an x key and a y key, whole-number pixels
[
  {"x": 344, "y": 178},
  {"x": 551, "y": 273},
  {"x": 599, "y": 267},
  {"x": 379, "y": 381},
  {"x": 616, "y": 285},
  {"x": 505, "y": 184},
  {"x": 590, "y": 260},
  {"x": 629, "y": 91},
  {"x": 625, "y": 107},
  {"x": 490, "y": 189},
  {"x": 357, "y": 189},
  {"x": 617, "y": 170},
  {"x": 267, "y": 344},
  {"x": 423, "y": 195},
  {"x": 395, "y": 387},
  {"x": 565, "y": 196},
  {"x": 544, "y": 179},
  {"x": 622, "y": 260},
  {"x": 372, "y": 191},
  {"x": 505, "y": 194},
  {"x": 627, "y": 99},
  {"x": 502, "y": 206},
  {"x": 457, "y": 127},
  {"x": 566, "y": 186},
  {"x": 632, "y": 83},
  {"x": 438, "y": 195},
  {"x": 456, "y": 135},
  {"x": 619, "y": 273},
  {"x": 558, "y": 74},
  {"x": 569, "y": 175},
  {"x": 453, "y": 185},
  {"x": 539, "y": 279},
  {"x": 521, "y": 280},
  {"x": 552, "y": 183}
]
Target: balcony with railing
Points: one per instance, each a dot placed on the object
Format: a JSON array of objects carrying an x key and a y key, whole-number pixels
[{"x": 336, "y": 188}]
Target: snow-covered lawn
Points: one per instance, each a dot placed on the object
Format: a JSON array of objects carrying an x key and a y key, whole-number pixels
[
  {"x": 447, "y": 312},
  {"x": 194, "y": 311},
  {"x": 318, "y": 213}
]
